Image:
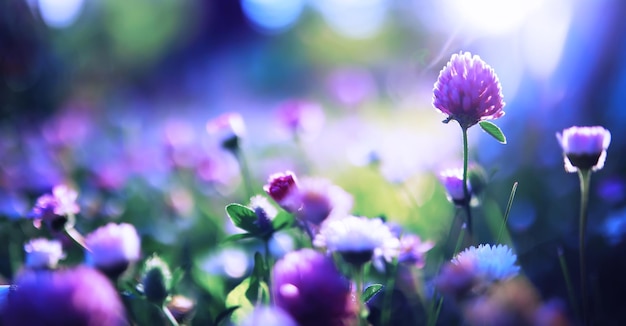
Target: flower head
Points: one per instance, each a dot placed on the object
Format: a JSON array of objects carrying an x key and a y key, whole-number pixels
[
  {"x": 280, "y": 186},
  {"x": 228, "y": 129},
  {"x": 156, "y": 280},
  {"x": 113, "y": 247},
  {"x": 301, "y": 117},
  {"x": 356, "y": 238},
  {"x": 584, "y": 147},
  {"x": 54, "y": 209},
  {"x": 489, "y": 263},
  {"x": 468, "y": 91},
  {"x": 43, "y": 253},
  {"x": 77, "y": 296},
  {"x": 268, "y": 316},
  {"x": 452, "y": 180},
  {"x": 319, "y": 199},
  {"x": 307, "y": 285}
]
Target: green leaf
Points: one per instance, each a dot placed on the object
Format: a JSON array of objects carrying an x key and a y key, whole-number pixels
[
  {"x": 282, "y": 220},
  {"x": 224, "y": 314},
  {"x": 243, "y": 217},
  {"x": 493, "y": 130},
  {"x": 237, "y": 237},
  {"x": 371, "y": 291},
  {"x": 237, "y": 298}
]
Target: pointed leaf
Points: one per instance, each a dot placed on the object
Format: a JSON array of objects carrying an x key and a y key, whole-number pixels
[
  {"x": 237, "y": 237},
  {"x": 224, "y": 314},
  {"x": 371, "y": 291},
  {"x": 237, "y": 298},
  {"x": 493, "y": 130},
  {"x": 282, "y": 220},
  {"x": 243, "y": 217}
]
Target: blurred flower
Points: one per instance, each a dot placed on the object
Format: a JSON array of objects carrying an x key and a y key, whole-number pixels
[
  {"x": 43, "y": 253},
  {"x": 300, "y": 117},
  {"x": 268, "y": 316},
  {"x": 584, "y": 147},
  {"x": 351, "y": 86},
  {"x": 468, "y": 91},
  {"x": 452, "y": 180},
  {"x": 156, "y": 280},
  {"x": 280, "y": 186},
  {"x": 181, "y": 307},
  {"x": 308, "y": 286},
  {"x": 319, "y": 200},
  {"x": 113, "y": 247},
  {"x": 412, "y": 250},
  {"x": 76, "y": 296},
  {"x": 55, "y": 209},
  {"x": 356, "y": 238},
  {"x": 227, "y": 129},
  {"x": 264, "y": 211},
  {"x": 489, "y": 263}
]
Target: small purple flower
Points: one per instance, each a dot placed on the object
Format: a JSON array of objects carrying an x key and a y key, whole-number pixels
[
  {"x": 584, "y": 147},
  {"x": 56, "y": 208},
  {"x": 318, "y": 199},
  {"x": 280, "y": 186},
  {"x": 413, "y": 250},
  {"x": 113, "y": 247},
  {"x": 452, "y": 180},
  {"x": 76, "y": 296},
  {"x": 301, "y": 117},
  {"x": 228, "y": 129},
  {"x": 268, "y": 316},
  {"x": 264, "y": 211},
  {"x": 43, "y": 253},
  {"x": 308, "y": 286},
  {"x": 468, "y": 91}
]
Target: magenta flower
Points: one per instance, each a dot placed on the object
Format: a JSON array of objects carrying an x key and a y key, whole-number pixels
[
  {"x": 280, "y": 186},
  {"x": 77, "y": 296},
  {"x": 584, "y": 147},
  {"x": 308, "y": 286},
  {"x": 468, "y": 91}
]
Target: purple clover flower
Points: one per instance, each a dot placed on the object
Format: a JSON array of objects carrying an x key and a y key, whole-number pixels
[
  {"x": 279, "y": 186},
  {"x": 113, "y": 247},
  {"x": 319, "y": 199},
  {"x": 468, "y": 91},
  {"x": 584, "y": 147},
  {"x": 307, "y": 285},
  {"x": 77, "y": 296}
]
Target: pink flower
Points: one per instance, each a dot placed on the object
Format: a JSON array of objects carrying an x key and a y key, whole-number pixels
[{"x": 584, "y": 147}]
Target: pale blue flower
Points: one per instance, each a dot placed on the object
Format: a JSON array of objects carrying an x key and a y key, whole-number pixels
[{"x": 489, "y": 263}]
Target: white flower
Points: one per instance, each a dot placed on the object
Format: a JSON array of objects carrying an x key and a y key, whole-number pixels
[
  {"x": 43, "y": 253},
  {"x": 113, "y": 244},
  {"x": 490, "y": 263},
  {"x": 261, "y": 202},
  {"x": 356, "y": 234}
]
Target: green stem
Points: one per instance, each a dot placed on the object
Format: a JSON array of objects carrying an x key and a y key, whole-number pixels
[
  {"x": 466, "y": 194},
  {"x": 358, "y": 280},
  {"x": 585, "y": 178},
  {"x": 245, "y": 172},
  {"x": 268, "y": 266},
  {"x": 77, "y": 237},
  {"x": 168, "y": 315},
  {"x": 391, "y": 283},
  {"x": 568, "y": 282}
]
